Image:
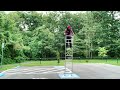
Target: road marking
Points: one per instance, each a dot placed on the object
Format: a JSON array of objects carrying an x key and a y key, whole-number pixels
[{"x": 34, "y": 70}]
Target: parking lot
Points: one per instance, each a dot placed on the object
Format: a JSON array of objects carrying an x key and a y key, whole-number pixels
[{"x": 84, "y": 71}]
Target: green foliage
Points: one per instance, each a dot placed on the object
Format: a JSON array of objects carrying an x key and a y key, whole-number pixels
[
  {"x": 19, "y": 59},
  {"x": 36, "y": 35},
  {"x": 102, "y": 52},
  {"x": 8, "y": 61}
]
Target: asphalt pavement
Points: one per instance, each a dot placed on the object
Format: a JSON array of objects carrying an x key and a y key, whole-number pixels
[{"x": 84, "y": 71}]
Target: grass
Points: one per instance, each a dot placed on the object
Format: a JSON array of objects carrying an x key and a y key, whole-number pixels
[
  {"x": 109, "y": 61},
  {"x": 54, "y": 63},
  {"x": 8, "y": 66},
  {"x": 43, "y": 63},
  {"x": 32, "y": 63}
]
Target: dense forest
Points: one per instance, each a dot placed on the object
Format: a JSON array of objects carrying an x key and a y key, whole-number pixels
[{"x": 30, "y": 34}]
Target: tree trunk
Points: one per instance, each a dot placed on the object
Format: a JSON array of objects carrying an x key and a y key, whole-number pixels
[
  {"x": 91, "y": 49},
  {"x": 86, "y": 50}
]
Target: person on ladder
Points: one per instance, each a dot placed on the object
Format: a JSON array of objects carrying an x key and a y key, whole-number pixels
[{"x": 69, "y": 32}]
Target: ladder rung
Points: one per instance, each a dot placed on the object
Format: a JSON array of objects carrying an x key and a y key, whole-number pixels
[
  {"x": 69, "y": 55},
  {"x": 67, "y": 42},
  {"x": 68, "y": 62},
  {"x": 68, "y": 59},
  {"x": 69, "y": 35},
  {"x": 69, "y": 39}
]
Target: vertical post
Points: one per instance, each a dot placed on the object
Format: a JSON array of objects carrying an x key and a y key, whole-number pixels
[
  {"x": 2, "y": 57},
  {"x": 72, "y": 52},
  {"x": 117, "y": 60},
  {"x": 65, "y": 53},
  {"x": 106, "y": 59},
  {"x": 40, "y": 60},
  {"x": 2, "y": 54}
]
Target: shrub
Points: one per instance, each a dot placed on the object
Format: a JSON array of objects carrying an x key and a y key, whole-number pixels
[
  {"x": 19, "y": 59},
  {"x": 8, "y": 61}
]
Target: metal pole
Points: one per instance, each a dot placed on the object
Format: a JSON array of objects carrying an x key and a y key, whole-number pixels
[
  {"x": 65, "y": 53},
  {"x": 117, "y": 60},
  {"x": 72, "y": 52},
  {"x": 2, "y": 55},
  {"x": 40, "y": 60}
]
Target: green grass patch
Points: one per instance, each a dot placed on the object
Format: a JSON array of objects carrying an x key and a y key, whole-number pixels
[
  {"x": 109, "y": 61},
  {"x": 43, "y": 63},
  {"x": 8, "y": 66}
]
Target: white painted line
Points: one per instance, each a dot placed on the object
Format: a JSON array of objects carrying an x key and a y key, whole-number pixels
[{"x": 32, "y": 70}]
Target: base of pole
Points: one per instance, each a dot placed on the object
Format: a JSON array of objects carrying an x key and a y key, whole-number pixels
[
  {"x": 1, "y": 74},
  {"x": 69, "y": 76}
]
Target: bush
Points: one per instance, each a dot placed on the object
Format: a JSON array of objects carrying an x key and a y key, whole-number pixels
[
  {"x": 8, "y": 61},
  {"x": 19, "y": 59}
]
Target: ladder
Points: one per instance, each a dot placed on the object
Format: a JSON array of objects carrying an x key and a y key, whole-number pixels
[
  {"x": 68, "y": 61},
  {"x": 68, "y": 55}
]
